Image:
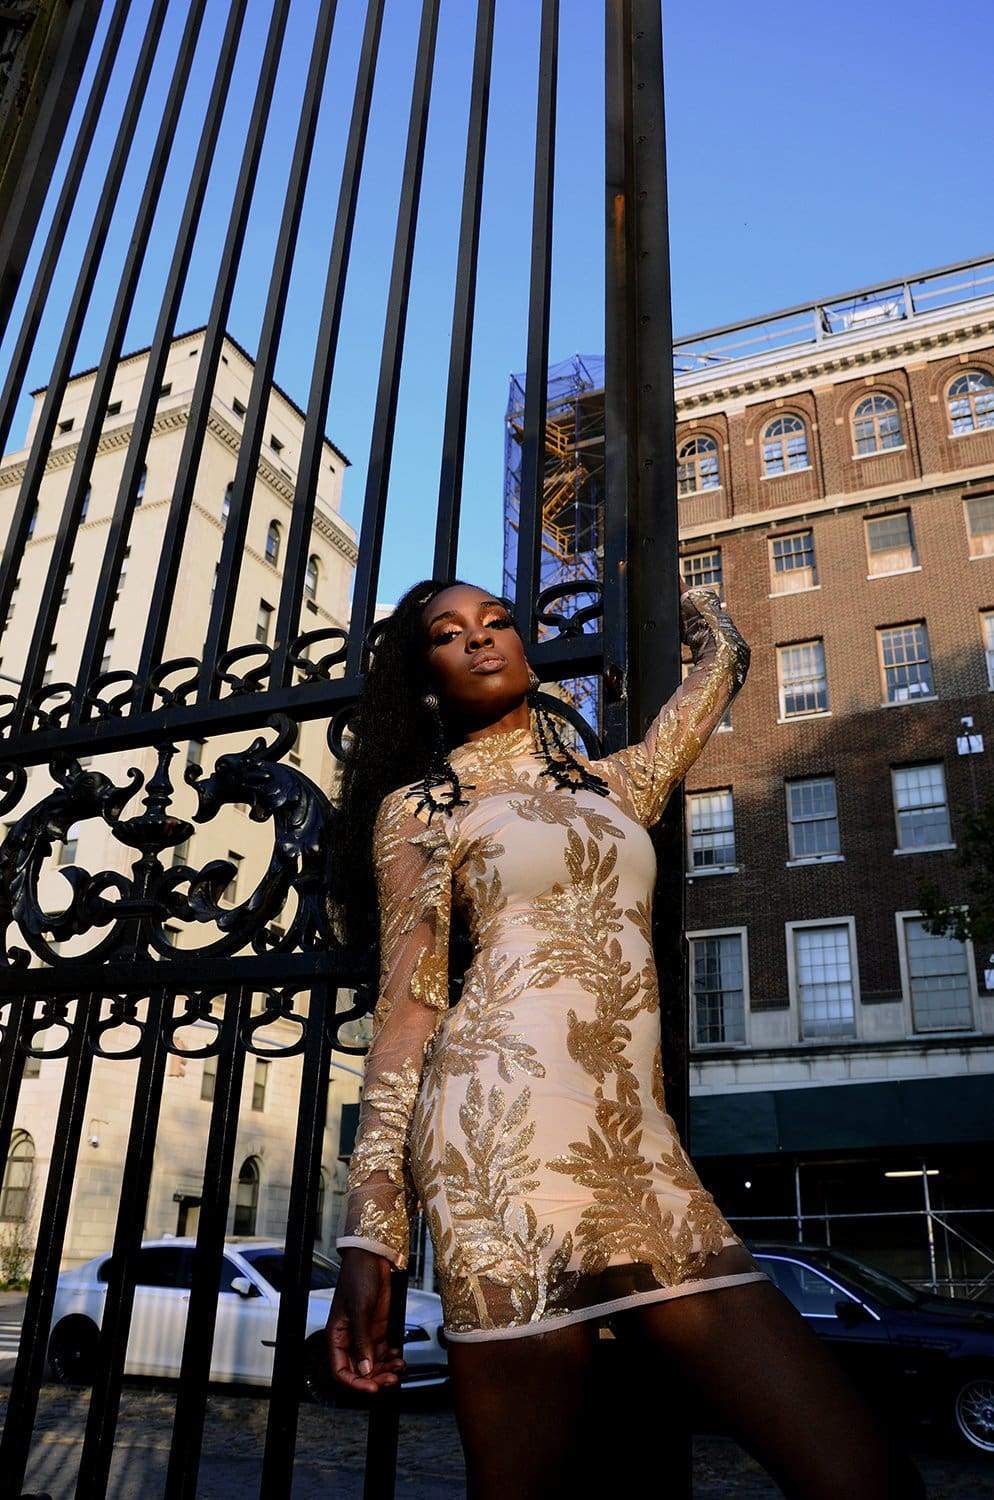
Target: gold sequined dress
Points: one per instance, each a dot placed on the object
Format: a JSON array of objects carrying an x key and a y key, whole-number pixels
[{"x": 528, "y": 1119}]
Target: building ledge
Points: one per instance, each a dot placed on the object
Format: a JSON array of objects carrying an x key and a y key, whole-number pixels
[
  {"x": 931, "y": 1042},
  {"x": 925, "y": 849}
]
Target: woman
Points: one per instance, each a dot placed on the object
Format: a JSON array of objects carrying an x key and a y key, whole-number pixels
[{"x": 528, "y": 1119}]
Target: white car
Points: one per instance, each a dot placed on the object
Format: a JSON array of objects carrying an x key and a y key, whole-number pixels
[{"x": 248, "y": 1306}]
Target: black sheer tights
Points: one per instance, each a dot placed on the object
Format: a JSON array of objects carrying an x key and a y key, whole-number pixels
[
  {"x": 531, "y": 1426},
  {"x": 522, "y": 1406}
]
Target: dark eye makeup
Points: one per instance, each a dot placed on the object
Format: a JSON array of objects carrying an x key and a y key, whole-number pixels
[{"x": 500, "y": 623}]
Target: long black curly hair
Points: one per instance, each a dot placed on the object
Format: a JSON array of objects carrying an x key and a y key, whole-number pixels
[{"x": 391, "y": 746}]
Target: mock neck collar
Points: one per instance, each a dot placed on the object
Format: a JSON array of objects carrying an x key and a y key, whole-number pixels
[{"x": 498, "y": 745}]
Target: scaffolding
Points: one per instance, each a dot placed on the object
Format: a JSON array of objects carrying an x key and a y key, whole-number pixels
[{"x": 572, "y": 540}]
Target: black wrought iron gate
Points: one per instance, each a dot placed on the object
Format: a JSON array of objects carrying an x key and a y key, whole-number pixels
[{"x": 134, "y": 979}]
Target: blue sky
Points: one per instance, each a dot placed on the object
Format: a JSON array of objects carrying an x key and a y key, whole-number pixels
[{"x": 811, "y": 149}]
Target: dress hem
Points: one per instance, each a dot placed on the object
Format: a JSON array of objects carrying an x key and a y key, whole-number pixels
[{"x": 599, "y": 1309}]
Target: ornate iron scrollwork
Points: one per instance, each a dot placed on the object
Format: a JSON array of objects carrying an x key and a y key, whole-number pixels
[{"x": 134, "y": 909}]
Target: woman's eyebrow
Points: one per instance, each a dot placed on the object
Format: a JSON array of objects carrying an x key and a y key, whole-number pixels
[{"x": 452, "y": 614}]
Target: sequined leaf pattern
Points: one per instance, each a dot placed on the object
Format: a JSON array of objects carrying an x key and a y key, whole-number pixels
[
  {"x": 483, "y": 1025},
  {"x": 627, "y": 1215},
  {"x": 496, "y": 1254},
  {"x": 581, "y": 919},
  {"x": 645, "y": 773},
  {"x": 413, "y": 867},
  {"x": 479, "y": 894}
]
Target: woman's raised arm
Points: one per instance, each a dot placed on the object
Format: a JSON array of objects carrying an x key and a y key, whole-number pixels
[{"x": 648, "y": 770}]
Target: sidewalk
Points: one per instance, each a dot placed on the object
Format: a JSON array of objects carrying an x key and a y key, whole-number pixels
[{"x": 331, "y": 1452}]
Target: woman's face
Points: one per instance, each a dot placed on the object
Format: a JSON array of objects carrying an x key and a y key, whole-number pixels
[{"x": 475, "y": 657}]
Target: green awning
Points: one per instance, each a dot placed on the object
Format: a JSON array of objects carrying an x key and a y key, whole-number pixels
[{"x": 845, "y": 1116}]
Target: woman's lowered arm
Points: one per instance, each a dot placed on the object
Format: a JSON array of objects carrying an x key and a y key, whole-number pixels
[{"x": 414, "y": 887}]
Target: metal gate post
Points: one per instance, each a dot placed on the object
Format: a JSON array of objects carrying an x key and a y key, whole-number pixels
[{"x": 641, "y": 582}]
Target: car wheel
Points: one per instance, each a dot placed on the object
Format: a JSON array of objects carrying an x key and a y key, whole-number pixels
[
  {"x": 973, "y": 1409},
  {"x": 72, "y": 1350}
]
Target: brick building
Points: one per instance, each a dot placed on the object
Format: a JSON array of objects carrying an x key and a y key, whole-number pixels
[{"x": 836, "y": 484}]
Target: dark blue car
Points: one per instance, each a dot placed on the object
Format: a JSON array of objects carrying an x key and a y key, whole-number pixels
[{"x": 926, "y": 1357}]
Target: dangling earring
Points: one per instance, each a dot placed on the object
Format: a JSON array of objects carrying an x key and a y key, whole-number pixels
[
  {"x": 441, "y": 771},
  {"x": 566, "y": 771}
]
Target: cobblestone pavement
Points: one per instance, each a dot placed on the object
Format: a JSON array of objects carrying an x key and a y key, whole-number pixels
[{"x": 331, "y": 1450}]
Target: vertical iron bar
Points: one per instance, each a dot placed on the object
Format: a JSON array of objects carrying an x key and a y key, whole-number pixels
[
  {"x": 641, "y": 615},
  {"x": 55, "y": 391},
  {"x": 58, "y": 564},
  {"x": 527, "y": 571},
  {"x": 236, "y": 525},
  {"x": 385, "y": 413},
  {"x": 654, "y": 606},
  {"x": 144, "y": 419},
  {"x": 325, "y": 353},
  {"x": 622, "y": 722},
  {"x": 46, "y": 100},
  {"x": 288, "y": 1360},
  {"x": 198, "y": 1342},
  {"x": 49, "y": 261},
  {"x": 22, "y": 1406},
  {"x": 12, "y": 1059},
  {"x": 461, "y": 344},
  {"x": 383, "y": 1433},
  {"x": 101, "y": 1421},
  {"x": 170, "y": 557}
]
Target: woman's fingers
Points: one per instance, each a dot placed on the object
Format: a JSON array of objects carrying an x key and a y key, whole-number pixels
[
  {"x": 361, "y": 1355},
  {"x": 345, "y": 1361},
  {"x": 388, "y": 1357}
]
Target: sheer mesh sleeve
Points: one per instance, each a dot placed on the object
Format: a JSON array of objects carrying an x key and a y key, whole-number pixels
[
  {"x": 414, "y": 887},
  {"x": 647, "y": 771}
]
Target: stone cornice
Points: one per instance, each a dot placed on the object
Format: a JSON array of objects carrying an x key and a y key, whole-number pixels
[
  {"x": 174, "y": 419},
  {"x": 814, "y": 362}
]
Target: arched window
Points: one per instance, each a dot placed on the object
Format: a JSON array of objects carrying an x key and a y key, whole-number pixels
[
  {"x": 226, "y": 502},
  {"x": 84, "y": 508},
  {"x": 247, "y": 1197},
  {"x": 15, "y": 1193},
  {"x": 311, "y": 579},
  {"x": 876, "y": 424},
  {"x": 273, "y": 543},
  {"x": 785, "y": 445},
  {"x": 970, "y": 399},
  {"x": 697, "y": 466},
  {"x": 67, "y": 850},
  {"x": 140, "y": 486}
]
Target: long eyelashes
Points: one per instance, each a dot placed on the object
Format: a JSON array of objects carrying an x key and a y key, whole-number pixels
[{"x": 502, "y": 624}]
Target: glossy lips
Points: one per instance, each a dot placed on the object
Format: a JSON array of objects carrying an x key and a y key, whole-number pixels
[{"x": 490, "y": 661}]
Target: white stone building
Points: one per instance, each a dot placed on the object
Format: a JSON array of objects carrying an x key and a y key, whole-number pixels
[{"x": 269, "y": 1101}]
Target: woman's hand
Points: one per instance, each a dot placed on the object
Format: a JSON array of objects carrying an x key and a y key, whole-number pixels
[{"x": 356, "y": 1330}]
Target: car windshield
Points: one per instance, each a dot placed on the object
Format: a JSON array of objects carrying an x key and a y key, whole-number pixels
[
  {"x": 269, "y": 1263},
  {"x": 887, "y": 1289}
]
